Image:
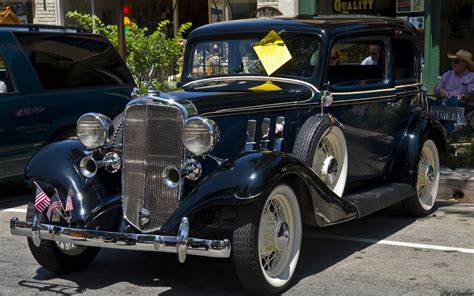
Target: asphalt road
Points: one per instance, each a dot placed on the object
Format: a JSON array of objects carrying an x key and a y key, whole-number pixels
[{"x": 383, "y": 254}]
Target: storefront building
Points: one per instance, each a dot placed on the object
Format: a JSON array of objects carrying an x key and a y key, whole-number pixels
[{"x": 444, "y": 25}]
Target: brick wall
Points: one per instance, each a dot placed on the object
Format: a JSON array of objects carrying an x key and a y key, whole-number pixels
[{"x": 48, "y": 16}]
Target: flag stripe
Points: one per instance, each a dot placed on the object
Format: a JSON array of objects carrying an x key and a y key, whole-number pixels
[
  {"x": 42, "y": 201},
  {"x": 55, "y": 203},
  {"x": 69, "y": 205}
]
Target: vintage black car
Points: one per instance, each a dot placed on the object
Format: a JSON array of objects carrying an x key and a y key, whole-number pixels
[{"x": 279, "y": 123}]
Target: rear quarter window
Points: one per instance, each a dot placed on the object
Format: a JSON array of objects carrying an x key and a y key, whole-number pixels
[{"x": 72, "y": 60}]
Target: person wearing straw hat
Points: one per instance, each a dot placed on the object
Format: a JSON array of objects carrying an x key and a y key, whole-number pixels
[
  {"x": 457, "y": 83},
  {"x": 456, "y": 86}
]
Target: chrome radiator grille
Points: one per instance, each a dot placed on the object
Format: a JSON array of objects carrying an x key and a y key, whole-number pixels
[{"x": 151, "y": 142}]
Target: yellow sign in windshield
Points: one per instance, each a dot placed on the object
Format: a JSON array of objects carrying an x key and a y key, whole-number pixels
[{"x": 272, "y": 52}]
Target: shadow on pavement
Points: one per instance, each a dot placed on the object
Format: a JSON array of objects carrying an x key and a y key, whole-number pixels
[
  {"x": 200, "y": 275},
  {"x": 14, "y": 194}
]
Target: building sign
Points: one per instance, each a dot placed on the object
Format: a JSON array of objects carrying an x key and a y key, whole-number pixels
[
  {"x": 342, "y": 6},
  {"x": 408, "y": 6},
  {"x": 448, "y": 113}
]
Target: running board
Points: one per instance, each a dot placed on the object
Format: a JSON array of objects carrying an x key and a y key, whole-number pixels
[{"x": 380, "y": 197}]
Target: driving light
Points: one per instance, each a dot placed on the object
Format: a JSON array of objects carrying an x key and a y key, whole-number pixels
[
  {"x": 94, "y": 129},
  {"x": 200, "y": 135}
]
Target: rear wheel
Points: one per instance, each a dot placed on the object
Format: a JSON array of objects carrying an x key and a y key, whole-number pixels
[
  {"x": 426, "y": 183},
  {"x": 266, "y": 246}
]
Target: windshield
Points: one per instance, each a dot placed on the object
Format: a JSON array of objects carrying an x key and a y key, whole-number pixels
[{"x": 237, "y": 56}]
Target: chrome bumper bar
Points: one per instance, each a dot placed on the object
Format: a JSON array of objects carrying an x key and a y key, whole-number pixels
[{"x": 181, "y": 244}]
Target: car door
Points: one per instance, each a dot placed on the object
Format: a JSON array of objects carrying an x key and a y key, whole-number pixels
[{"x": 364, "y": 100}]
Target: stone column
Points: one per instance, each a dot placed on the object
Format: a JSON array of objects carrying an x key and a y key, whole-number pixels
[{"x": 288, "y": 7}]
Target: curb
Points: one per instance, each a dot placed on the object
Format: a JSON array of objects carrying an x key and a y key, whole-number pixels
[{"x": 459, "y": 179}]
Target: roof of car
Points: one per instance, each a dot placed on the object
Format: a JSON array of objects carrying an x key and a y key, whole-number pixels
[
  {"x": 40, "y": 28},
  {"x": 334, "y": 23}
]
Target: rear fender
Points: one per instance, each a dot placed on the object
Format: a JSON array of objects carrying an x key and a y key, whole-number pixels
[
  {"x": 422, "y": 127},
  {"x": 55, "y": 168},
  {"x": 251, "y": 177}
]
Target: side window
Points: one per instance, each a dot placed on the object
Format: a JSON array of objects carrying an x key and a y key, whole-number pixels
[
  {"x": 357, "y": 64},
  {"x": 5, "y": 81},
  {"x": 404, "y": 61},
  {"x": 73, "y": 60}
]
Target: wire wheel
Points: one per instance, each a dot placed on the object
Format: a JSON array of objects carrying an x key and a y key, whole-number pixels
[
  {"x": 427, "y": 182},
  {"x": 330, "y": 159},
  {"x": 279, "y": 236},
  {"x": 70, "y": 249}
]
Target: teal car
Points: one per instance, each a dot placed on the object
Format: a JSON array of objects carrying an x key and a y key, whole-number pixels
[{"x": 49, "y": 77}]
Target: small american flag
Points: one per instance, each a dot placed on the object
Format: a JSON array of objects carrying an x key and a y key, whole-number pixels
[
  {"x": 70, "y": 195},
  {"x": 55, "y": 203},
  {"x": 41, "y": 200}
]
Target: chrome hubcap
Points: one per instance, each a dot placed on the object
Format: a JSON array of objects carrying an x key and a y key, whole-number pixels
[
  {"x": 330, "y": 169},
  {"x": 325, "y": 163},
  {"x": 430, "y": 174},
  {"x": 282, "y": 235}
]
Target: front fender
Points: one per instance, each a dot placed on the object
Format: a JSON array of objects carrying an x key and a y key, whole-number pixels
[
  {"x": 56, "y": 168},
  {"x": 423, "y": 126},
  {"x": 250, "y": 177}
]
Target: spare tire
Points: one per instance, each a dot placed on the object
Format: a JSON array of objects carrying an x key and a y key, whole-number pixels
[{"x": 321, "y": 145}]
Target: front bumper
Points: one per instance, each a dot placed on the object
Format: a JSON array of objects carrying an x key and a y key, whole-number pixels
[{"x": 181, "y": 244}]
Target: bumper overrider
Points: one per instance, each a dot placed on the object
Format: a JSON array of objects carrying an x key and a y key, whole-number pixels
[{"x": 181, "y": 244}]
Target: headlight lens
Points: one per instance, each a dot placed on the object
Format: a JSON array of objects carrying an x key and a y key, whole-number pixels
[
  {"x": 200, "y": 135},
  {"x": 94, "y": 129}
]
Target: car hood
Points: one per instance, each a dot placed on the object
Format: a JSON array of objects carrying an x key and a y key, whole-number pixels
[{"x": 207, "y": 102}]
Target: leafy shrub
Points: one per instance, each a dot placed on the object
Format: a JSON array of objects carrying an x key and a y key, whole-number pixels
[
  {"x": 152, "y": 58},
  {"x": 465, "y": 156}
]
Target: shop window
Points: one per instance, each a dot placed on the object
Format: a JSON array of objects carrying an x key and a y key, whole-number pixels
[{"x": 359, "y": 64}]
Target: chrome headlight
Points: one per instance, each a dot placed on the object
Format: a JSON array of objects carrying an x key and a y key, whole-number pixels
[
  {"x": 94, "y": 130},
  {"x": 200, "y": 135}
]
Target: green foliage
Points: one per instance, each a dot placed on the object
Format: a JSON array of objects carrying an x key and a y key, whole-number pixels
[
  {"x": 152, "y": 58},
  {"x": 465, "y": 156}
]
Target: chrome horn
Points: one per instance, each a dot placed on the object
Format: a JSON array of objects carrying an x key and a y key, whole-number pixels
[{"x": 191, "y": 170}]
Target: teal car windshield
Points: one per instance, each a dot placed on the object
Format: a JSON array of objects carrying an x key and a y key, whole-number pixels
[{"x": 237, "y": 56}]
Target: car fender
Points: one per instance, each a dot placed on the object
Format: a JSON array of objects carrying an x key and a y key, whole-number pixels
[
  {"x": 250, "y": 178},
  {"x": 55, "y": 168},
  {"x": 423, "y": 126}
]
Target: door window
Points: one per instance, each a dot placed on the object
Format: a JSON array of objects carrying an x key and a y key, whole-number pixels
[
  {"x": 5, "y": 82},
  {"x": 73, "y": 60},
  {"x": 357, "y": 64}
]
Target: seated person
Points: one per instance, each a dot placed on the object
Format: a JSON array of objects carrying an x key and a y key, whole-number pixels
[
  {"x": 457, "y": 84},
  {"x": 3, "y": 87},
  {"x": 374, "y": 51},
  {"x": 334, "y": 57}
]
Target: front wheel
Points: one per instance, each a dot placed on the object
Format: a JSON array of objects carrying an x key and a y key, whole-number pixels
[
  {"x": 60, "y": 257},
  {"x": 426, "y": 183},
  {"x": 266, "y": 245}
]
